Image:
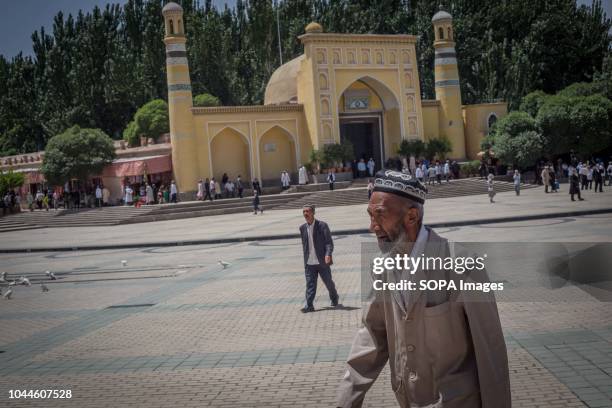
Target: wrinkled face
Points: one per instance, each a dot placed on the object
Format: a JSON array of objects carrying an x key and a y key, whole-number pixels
[
  {"x": 308, "y": 215},
  {"x": 392, "y": 218}
]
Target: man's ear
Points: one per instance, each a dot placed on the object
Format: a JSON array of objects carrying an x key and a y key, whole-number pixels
[{"x": 413, "y": 216}]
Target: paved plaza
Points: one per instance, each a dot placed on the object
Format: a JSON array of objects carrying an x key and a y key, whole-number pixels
[
  {"x": 173, "y": 328},
  {"x": 442, "y": 211}
]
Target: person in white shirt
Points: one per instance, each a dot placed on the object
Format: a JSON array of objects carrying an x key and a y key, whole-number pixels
[
  {"x": 438, "y": 173},
  {"x": 200, "y": 193},
  {"x": 590, "y": 177},
  {"x": 447, "y": 171},
  {"x": 129, "y": 200},
  {"x": 517, "y": 182},
  {"x": 431, "y": 175},
  {"x": 361, "y": 168},
  {"x": 371, "y": 165},
  {"x": 98, "y": 196},
  {"x": 610, "y": 173},
  {"x": 331, "y": 178},
  {"x": 419, "y": 174},
  {"x": 173, "y": 192}
]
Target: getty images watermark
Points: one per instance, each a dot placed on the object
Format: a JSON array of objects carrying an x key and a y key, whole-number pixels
[
  {"x": 405, "y": 264},
  {"x": 512, "y": 271}
]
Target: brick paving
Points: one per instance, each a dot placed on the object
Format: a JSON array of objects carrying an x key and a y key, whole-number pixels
[{"x": 189, "y": 333}]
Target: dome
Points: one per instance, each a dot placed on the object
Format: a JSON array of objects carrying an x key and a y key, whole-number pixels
[
  {"x": 172, "y": 8},
  {"x": 314, "y": 27},
  {"x": 441, "y": 15},
  {"x": 282, "y": 86}
]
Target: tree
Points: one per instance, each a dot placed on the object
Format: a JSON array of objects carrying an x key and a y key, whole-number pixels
[
  {"x": 532, "y": 102},
  {"x": 9, "y": 181},
  {"x": 438, "y": 148},
  {"x": 77, "y": 153},
  {"x": 414, "y": 147},
  {"x": 591, "y": 119},
  {"x": 206, "y": 99},
  {"x": 151, "y": 120},
  {"x": 521, "y": 150}
]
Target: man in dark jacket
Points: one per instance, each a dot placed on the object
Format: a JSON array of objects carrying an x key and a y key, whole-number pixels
[{"x": 318, "y": 246}]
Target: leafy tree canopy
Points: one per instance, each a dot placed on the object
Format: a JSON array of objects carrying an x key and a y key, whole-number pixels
[
  {"x": 206, "y": 99},
  {"x": 77, "y": 153},
  {"x": 151, "y": 120}
]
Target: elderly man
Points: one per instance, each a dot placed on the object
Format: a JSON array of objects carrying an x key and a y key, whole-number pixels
[
  {"x": 318, "y": 246},
  {"x": 445, "y": 347}
]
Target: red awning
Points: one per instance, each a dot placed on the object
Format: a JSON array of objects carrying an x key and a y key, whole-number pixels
[{"x": 137, "y": 166}]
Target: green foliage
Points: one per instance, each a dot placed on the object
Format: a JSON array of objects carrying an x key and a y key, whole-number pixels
[
  {"x": 414, "y": 147},
  {"x": 151, "y": 120},
  {"x": 469, "y": 169},
  {"x": 532, "y": 102},
  {"x": 206, "y": 99},
  {"x": 77, "y": 153},
  {"x": 10, "y": 180},
  {"x": 332, "y": 153},
  {"x": 94, "y": 69},
  {"x": 521, "y": 150},
  {"x": 438, "y": 148}
]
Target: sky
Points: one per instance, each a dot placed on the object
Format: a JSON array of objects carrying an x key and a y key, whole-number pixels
[{"x": 20, "y": 18}]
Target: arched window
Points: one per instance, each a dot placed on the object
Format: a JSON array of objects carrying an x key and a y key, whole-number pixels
[
  {"x": 171, "y": 27},
  {"x": 450, "y": 34},
  {"x": 441, "y": 33},
  {"x": 180, "y": 27},
  {"x": 491, "y": 121}
]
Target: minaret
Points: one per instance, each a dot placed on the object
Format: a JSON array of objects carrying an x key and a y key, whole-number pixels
[
  {"x": 447, "y": 87},
  {"x": 180, "y": 101}
]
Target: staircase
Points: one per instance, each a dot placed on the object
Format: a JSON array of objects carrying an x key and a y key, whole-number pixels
[
  {"x": 349, "y": 196},
  {"x": 292, "y": 200}
]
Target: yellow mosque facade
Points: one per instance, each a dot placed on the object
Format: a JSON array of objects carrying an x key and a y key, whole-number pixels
[{"x": 363, "y": 88}]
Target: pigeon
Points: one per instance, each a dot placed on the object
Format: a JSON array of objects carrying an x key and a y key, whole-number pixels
[
  {"x": 224, "y": 264},
  {"x": 124, "y": 263},
  {"x": 51, "y": 275},
  {"x": 24, "y": 281},
  {"x": 8, "y": 294},
  {"x": 43, "y": 288},
  {"x": 3, "y": 277},
  {"x": 12, "y": 283}
]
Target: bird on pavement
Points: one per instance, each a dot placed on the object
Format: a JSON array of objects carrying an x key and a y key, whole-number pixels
[
  {"x": 8, "y": 294},
  {"x": 12, "y": 283},
  {"x": 224, "y": 264},
  {"x": 124, "y": 263},
  {"x": 51, "y": 275},
  {"x": 2, "y": 276},
  {"x": 25, "y": 281},
  {"x": 43, "y": 288}
]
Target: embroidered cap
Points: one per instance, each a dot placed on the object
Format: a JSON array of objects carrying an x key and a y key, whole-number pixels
[{"x": 395, "y": 182}]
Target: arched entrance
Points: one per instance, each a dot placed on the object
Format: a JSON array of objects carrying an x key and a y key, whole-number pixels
[
  {"x": 369, "y": 116},
  {"x": 276, "y": 153},
  {"x": 229, "y": 150}
]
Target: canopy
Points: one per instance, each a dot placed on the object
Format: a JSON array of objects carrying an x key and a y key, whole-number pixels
[{"x": 137, "y": 166}]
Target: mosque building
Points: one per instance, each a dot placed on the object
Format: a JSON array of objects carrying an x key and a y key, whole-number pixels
[{"x": 358, "y": 87}]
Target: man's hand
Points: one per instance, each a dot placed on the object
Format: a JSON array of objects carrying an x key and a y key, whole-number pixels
[{"x": 328, "y": 259}]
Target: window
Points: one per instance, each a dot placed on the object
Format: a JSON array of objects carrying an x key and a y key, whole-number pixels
[
  {"x": 171, "y": 27},
  {"x": 440, "y": 33},
  {"x": 491, "y": 120},
  {"x": 450, "y": 34}
]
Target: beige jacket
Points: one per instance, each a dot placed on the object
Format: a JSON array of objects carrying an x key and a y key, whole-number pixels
[{"x": 442, "y": 343}]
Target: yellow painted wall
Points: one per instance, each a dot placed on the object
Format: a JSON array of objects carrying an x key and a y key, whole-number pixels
[
  {"x": 431, "y": 121},
  {"x": 230, "y": 154},
  {"x": 282, "y": 158},
  {"x": 253, "y": 125},
  {"x": 475, "y": 119}
]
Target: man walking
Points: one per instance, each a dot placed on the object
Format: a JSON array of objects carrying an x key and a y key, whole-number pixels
[
  {"x": 239, "y": 186},
  {"x": 445, "y": 348},
  {"x": 331, "y": 179},
  {"x": 545, "y": 178},
  {"x": 317, "y": 245},
  {"x": 173, "y": 192}
]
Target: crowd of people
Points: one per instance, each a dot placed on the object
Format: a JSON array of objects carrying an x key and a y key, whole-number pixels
[{"x": 211, "y": 189}]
